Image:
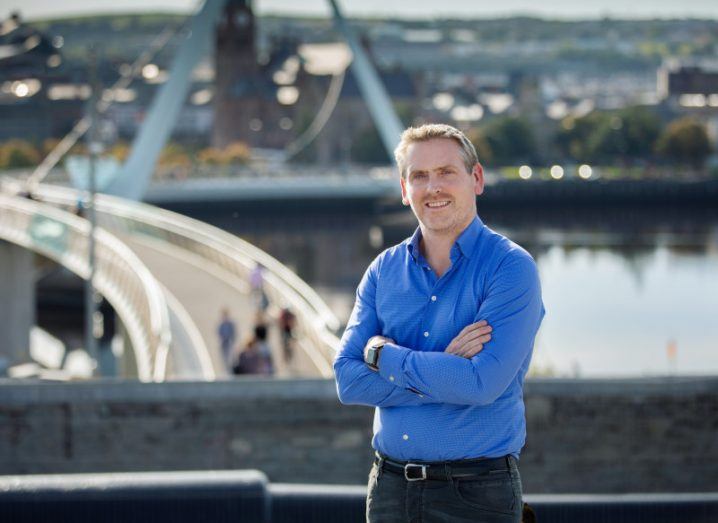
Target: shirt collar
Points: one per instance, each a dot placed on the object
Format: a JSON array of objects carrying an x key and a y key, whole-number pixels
[
  {"x": 413, "y": 244},
  {"x": 469, "y": 236},
  {"x": 466, "y": 242}
]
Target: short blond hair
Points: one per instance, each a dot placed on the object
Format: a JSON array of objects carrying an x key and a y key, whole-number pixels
[{"x": 429, "y": 132}]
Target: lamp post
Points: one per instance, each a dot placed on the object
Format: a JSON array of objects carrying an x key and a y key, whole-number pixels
[{"x": 94, "y": 149}]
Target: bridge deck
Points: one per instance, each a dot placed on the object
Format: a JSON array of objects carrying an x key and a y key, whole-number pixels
[{"x": 202, "y": 291}]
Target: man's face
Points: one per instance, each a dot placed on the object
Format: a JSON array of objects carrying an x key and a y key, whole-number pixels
[{"x": 441, "y": 192}]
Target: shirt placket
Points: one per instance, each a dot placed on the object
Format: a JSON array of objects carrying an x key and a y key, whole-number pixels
[
  {"x": 431, "y": 308},
  {"x": 434, "y": 286}
]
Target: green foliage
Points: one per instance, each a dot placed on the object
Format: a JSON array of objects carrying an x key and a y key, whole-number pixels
[
  {"x": 174, "y": 155},
  {"x": 481, "y": 144},
  {"x": 233, "y": 154},
  {"x": 623, "y": 135},
  {"x": 17, "y": 154},
  {"x": 507, "y": 140},
  {"x": 685, "y": 141}
]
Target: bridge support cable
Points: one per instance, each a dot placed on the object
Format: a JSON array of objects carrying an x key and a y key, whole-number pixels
[
  {"x": 320, "y": 120},
  {"x": 377, "y": 99},
  {"x": 134, "y": 176},
  {"x": 82, "y": 126}
]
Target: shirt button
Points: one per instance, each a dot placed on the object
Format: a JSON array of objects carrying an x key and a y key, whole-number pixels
[
  {"x": 426, "y": 334},
  {"x": 433, "y": 298},
  {"x": 405, "y": 436},
  {"x": 391, "y": 378}
]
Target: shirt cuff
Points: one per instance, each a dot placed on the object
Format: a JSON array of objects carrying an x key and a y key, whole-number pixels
[{"x": 391, "y": 363}]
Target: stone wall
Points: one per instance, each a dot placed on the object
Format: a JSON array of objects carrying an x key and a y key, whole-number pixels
[{"x": 644, "y": 435}]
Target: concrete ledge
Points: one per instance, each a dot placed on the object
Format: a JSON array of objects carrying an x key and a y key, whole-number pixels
[
  {"x": 20, "y": 392},
  {"x": 37, "y": 391},
  {"x": 606, "y": 387},
  {"x": 584, "y": 436}
]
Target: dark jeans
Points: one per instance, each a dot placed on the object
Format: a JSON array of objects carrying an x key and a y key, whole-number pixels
[{"x": 491, "y": 497}]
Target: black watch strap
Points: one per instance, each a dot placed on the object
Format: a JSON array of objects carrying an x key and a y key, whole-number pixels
[{"x": 372, "y": 355}]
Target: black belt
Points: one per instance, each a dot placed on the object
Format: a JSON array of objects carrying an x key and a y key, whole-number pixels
[{"x": 444, "y": 470}]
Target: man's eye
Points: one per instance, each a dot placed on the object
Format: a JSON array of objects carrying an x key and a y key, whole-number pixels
[{"x": 420, "y": 176}]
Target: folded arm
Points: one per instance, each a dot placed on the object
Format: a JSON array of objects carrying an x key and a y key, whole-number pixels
[
  {"x": 513, "y": 307},
  {"x": 357, "y": 384}
]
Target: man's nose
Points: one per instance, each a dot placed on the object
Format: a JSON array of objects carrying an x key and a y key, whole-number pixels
[{"x": 435, "y": 184}]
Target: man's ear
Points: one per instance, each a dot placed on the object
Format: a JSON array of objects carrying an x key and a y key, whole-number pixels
[
  {"x": 404, "y": 198},
  {"x": 477, "y": 174}
]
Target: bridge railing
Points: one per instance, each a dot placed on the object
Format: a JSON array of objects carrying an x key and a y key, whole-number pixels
[
  {"x": 119, "y": 276},
  {"x": 316, "y": 322}
]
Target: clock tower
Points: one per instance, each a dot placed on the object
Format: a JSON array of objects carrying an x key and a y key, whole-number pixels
[{"x": 235, "y": 98}]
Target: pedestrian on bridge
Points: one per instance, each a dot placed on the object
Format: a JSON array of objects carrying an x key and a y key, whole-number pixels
[
  {"x": 256, "y": 283},
  {"x": 227, "y": 332},
  {"x": 256, "y": 358},
  {"x": 439, "y": 341},
  {"x": 287, "y": 321}
]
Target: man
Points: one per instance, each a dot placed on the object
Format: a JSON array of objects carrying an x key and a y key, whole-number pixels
[
  {"x": 440, "y": 340},
  {"x": 227, "y": 332}
]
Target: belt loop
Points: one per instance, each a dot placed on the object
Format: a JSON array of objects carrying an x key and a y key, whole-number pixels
[
  {"x": 447, "y": 471},
  {"x": 380, "y": 463}
]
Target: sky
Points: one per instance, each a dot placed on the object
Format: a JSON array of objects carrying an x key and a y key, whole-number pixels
[{"x": 564, "y": 9}]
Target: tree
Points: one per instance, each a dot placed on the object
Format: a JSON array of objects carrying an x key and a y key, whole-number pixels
[
  {"x": 574, "y": 133},
  {"x": 174, "y": 155},
  {"x": 511, "y": 140},
  {"x": 626, "y": 135},
  {"x": 17, "y": 154},
  {"x": 481, "y": 144},
  {"x": 237, "y": 153},
  {"x": 120, "y": 151},
  {"x": 611, "y": 137},
  {"x": 685, "y": 141}
]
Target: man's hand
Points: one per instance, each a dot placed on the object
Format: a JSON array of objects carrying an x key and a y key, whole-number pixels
[
  {"x": 376, "y": 340},
  {"x": 470, "y": 341}
]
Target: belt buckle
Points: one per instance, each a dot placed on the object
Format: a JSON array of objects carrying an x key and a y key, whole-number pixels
[{"x": 410, "y": 466}]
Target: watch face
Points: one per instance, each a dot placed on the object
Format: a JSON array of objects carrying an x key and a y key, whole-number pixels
[{"x": 372, "y": 355}]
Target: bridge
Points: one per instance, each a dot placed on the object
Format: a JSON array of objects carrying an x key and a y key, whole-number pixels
[{"x": 165, "y": 275}]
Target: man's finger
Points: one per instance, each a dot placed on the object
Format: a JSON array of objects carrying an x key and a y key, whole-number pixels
[
  {"x": 481, "y": 336},
  {"x": 469, "y": 329},
  {"x": 471, "y": 326},
  {"x": 477, "y": 333},
  {"x": 457, "y": 344},
  {"x": 474, "y": 347},
  {"x": 471, "y": 350}
]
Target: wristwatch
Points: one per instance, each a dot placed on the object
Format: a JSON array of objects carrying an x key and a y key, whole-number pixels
[{"x": 372, "y": 354}]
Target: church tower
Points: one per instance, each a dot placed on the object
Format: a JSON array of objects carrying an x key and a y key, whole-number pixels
[{"x": 237, "y": 97}]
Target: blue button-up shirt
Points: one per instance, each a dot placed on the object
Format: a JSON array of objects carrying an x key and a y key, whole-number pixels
[{"x": 434, "y": 406}]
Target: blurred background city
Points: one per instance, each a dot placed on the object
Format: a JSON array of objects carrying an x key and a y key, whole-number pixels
[
  {"x": 597, "y": 124},
  {"x": 545, "y": 99}
]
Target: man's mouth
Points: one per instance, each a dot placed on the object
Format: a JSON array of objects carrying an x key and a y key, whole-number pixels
[{"x": 437, "y": 205}]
